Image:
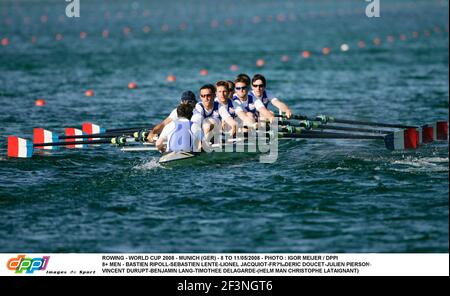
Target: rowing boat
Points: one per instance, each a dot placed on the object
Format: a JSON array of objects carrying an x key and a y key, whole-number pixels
[{"x": 394, "y": 136}]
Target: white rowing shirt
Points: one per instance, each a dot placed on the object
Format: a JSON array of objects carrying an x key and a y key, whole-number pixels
[
  {"x": 263, "y": 101},
  {"x": 246, "y": 106},
  {"x": 216, "y": 113},
  {"x": 179, "y": 135},
  {"x": 174, "y": 115}
]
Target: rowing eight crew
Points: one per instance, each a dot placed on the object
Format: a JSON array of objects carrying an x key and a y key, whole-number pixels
[{"x": 222, "y": 107}]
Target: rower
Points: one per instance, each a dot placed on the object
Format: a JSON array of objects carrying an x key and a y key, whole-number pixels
[
  {"x": 263, "y": 98},
  {"x": 244, "y": 104},
  {"x": 188, "y": 98},
  {"x": 230, "y": 89},
  {"x": 206, "y": 112},
  {"x": 179, "y": 133},
  {"x": 226, "y": 108}
]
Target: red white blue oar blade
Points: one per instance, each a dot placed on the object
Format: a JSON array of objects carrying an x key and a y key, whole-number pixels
[
  {"x": 41, "y": 135},
  {"x": 70, "y": 131},
  {"x": 19, "y": 147},
  {"x": 90, "y": 128},
  {"x": 401, "y": 140}
]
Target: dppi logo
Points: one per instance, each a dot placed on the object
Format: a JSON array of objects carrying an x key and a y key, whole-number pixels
[{"x": 29, "y": 265}]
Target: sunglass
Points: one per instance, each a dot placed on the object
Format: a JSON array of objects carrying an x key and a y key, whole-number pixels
[
  {"x": 258, "y": 85},
  {"x": 206, "y": 96},
  {"x": 241, "y": 88}
]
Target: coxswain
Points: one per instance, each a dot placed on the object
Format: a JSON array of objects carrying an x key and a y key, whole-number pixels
[
  {"x": 179, "y": 133},
  {"x": 188, "y": 98}
]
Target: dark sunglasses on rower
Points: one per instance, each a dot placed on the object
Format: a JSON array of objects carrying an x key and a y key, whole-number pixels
[
  {"x": 206, "y": 96},
  {"x": 258, "y": 85},
  {"x": 241, "y": 88}
]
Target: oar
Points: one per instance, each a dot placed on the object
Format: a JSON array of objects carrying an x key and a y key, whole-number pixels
[
  {"x": 316, "y": 125},
  {"x": 327, "y": 119},
  {"x": 398, "y": 140},
  {"x": 22, "y": 148}
]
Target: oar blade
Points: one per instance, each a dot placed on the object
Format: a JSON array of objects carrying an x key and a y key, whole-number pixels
[
  {"x": 41, "y": 135},
  {"x": 442, "y": 130},
  {"x": 70, "y": 131},
  {"x": 19, "y": 147},
  {"x": 91, "y": 128},
  {"x": 403, "y": 139}
]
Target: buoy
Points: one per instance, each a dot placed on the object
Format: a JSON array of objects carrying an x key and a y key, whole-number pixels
[
  {"x": 146, "y": 29},
  {"x": 326, "y": 51},
  {"x": 5, "y": 41},
  {"x": 132, "y": 85},
  {"x": 89, "y": 93},
  {"x": 284, "y": 58},
  {"x": 40, "y": 102},
  {"x": 361, "y": 44},
  {"x": 105, "y": 33},
  {"x": 377, "y": 41},
  {"x": 234, "y": 67},
  {"x": 260, "y": 63},
  {"x": 171, "y": 78},
  {"x": 345, "y": 47},
  {"x": 306, "y": 54},
  {"x": 203, "y": 72},
  {"x": 83, "y": 35},
  {"x": 59, "y": 37},
  {"x": 214, "y": 24}
]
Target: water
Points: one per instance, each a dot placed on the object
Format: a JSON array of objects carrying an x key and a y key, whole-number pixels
[{"x": 320, "y": 196}]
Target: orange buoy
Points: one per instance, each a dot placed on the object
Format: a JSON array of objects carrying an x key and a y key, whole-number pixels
[
  {"x": 284, "y": 58},
  {"x": 40, "y": 102},
  {"x": 105, "y": 33},
  {"x": 234, "y": 67},
  {"x": 203, "y": 72},
  {"x": 89, "y": 93},
  {"x": 5, "y": 41},
  {"x": 146, "y": 29},
  {"x": 326, "y": 51},
  {"x": 83, "y": 35},
  {"x": 260, "y": 63},
  {"x": 306, "y": 54},
  {"x": 377, "y": 41},
  {"x": 132, "y": 85},
  {"x": 171, "y": 78}
]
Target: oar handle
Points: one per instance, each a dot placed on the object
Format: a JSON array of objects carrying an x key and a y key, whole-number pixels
[
  {"x": 73, "y": 143},
  {"x": 379, "y": 124}
]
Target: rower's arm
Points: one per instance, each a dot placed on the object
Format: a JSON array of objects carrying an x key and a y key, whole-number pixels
[
  {"x": 160, "y": 144},
  {"x": 158, "y": 129},
  {"x": 265, "y": 113},
  {"x": 232, "y": 123},
  {"x": 245, "y": 119},
  {"x": 282, "y": 107}
]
